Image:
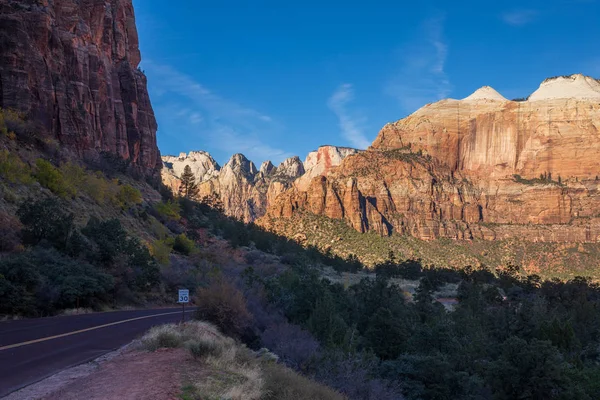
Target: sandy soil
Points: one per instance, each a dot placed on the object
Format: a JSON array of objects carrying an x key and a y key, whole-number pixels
[
  {"x": 124, "y": 375},
  {"x": 134, "y": 375}
]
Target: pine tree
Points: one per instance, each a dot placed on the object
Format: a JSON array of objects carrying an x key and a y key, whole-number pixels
[{"x": 188, "y": 187}]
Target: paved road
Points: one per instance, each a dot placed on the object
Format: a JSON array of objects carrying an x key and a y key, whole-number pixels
[{"x": 33, "y": 349}]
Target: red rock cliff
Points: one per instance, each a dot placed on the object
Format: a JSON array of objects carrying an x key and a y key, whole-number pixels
[
  {"x": 483, "y": 167},
  {"x": 72, "y": 67}
]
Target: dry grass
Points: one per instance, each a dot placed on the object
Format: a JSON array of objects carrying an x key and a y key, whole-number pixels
[
  {"x": 229, "y": 370},
  {"x": 284, "y": 384}
]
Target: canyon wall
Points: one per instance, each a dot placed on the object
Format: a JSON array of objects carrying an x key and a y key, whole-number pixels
[
  {"x": 245, "y": 191},
  {"x": 71, "y": 66},
  {"x": 482, "y": 167}
]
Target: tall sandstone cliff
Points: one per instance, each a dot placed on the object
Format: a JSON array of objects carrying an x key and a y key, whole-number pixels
[
  {"x": 72, "y": 67},
  {"x": 245, "y": 191},
  {"x": 482, "y": 167}
]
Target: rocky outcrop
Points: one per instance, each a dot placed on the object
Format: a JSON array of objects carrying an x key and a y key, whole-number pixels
[
  {"x": 202, "y": 164},
  {"x": 244, "y": 191},
  {"x": 321, "y": 162},
  {"x": 483, "y": 167},
  {"x": 72, "y": 67},
  {"x": 547, "y": 134}
]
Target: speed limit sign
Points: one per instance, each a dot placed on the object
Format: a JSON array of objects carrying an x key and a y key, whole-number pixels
[{"x": 184, "y": 296}]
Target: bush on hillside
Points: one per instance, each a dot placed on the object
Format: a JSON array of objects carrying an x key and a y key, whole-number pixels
[
  {"x": 45, "y": 220},
  {"x": 13, "y": 169},
  {"x": 42, "y": 281},
  {"x": 161, "y": 250},
  {"x": 73, "y": 174},
  {"x": 184, "y": 245},
  {"x": 52, "y": 178},
  {"x": 14, "y": 124},
  {"x": 225, "y": 306},
  {"x": 168, "y": 210},
  {"x": 127, "y": 196},
  {"x": 125, "y": 256}
]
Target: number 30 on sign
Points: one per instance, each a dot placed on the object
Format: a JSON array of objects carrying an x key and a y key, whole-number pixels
[{"x": 184, "y": 296}]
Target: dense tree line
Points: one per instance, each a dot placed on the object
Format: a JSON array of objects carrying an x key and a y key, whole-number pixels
[
  {"x": 66, "y": 267},
  {"x": 510, "y": 337}
]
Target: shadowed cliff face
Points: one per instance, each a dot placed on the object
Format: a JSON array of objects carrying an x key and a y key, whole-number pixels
[
  {"x": 71, "y": 67},
  {"x": 482, "y": 167}
]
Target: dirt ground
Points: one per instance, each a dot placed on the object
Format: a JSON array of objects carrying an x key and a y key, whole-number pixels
[{"x": 132, "y": 375}]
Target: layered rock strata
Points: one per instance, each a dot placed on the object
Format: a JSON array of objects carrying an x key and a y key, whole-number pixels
[
  {"x": 71, "y": 66},
  {"x": 245, "y": 191},
  {"x": 482, "y": 167}
]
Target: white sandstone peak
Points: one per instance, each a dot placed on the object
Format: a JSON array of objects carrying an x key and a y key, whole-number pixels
[
  {"x": 267, "y": 167},
  {"x": 202, "y": 164},
  {"x": 576, "y": 86},
  {"x": 485, "y": 93},
  {"x": 291, "y": 167}
]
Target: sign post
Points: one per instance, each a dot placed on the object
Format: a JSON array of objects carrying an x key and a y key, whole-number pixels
[{"x": 184, "y": 297}]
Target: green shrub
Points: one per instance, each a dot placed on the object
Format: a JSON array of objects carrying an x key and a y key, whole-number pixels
[
  {"x": 13, "y": 124},
  {"x": 52, "y": 178},
  {"x": 45, "y": 220},
  {"x": 97, "y": 187},
  {"x": 157, "y": 229},
  {"x": 161, "y": 250},
  {"x": 42, "y": 280},
  {"x": 168, "y": 210},
  {"x": 115, "y": 249},
  {"x": 128, "y": 196},
  {"x": 184, "y": 245},
  {"x": 13, "y": 169},
  {"x": 73, "y": 174}
]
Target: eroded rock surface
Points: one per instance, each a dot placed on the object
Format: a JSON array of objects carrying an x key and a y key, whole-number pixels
[
  {"x": 245, "y": 191},
  {"x": 483, "y": 167},
  {"x": 72, "y": 67}
]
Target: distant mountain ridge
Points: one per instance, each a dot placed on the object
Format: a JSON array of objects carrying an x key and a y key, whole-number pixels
[
  {"x": 245, "y": 190},
  {"x": 483, "y": 167}
]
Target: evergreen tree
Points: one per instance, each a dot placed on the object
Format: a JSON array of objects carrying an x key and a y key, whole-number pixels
[{"x": 188, "y": 188}]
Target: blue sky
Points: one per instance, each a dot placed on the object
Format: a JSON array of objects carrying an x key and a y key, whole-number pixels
[{"x": 272, "y": 79}]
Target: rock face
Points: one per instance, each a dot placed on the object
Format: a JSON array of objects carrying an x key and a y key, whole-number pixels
[
  {"x": 72, "y": 67},
  {"x": 321, "y": 161},
  {"x": 244, "y": 191},
  {"x": 483, "y": 167},
  {"x": 548, "y": 134},
  {"x": 202, "y": 164}
]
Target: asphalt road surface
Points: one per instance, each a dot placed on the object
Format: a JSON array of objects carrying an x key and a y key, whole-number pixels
[{"x": 33, "y": 349}]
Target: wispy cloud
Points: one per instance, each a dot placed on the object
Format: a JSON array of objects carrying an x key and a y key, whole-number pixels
[
  {"x": 350, "y": 126},
  {"x": 519, "y": 17},
  {"x": 422, "y": 77},
  {"x": 199, "y": 118}
]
